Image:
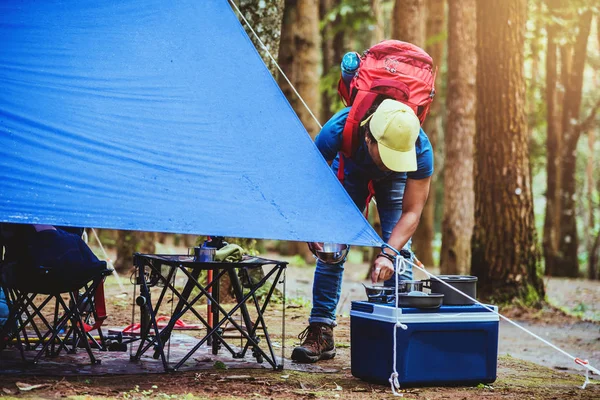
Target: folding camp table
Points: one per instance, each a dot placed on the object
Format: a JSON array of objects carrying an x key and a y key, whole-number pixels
[{"x": 159, "y": 270}]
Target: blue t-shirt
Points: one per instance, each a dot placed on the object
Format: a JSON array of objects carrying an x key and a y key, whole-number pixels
[{"x": 329, "y": 143}]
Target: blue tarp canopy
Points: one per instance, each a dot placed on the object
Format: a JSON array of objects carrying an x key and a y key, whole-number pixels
[{"x": 160, "y": 116}]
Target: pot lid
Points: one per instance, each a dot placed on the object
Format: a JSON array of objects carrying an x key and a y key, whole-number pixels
[{"x": 457, "y": 278}]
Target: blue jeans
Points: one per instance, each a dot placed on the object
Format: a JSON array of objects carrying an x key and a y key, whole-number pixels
[{"x": 327, "y": 285}]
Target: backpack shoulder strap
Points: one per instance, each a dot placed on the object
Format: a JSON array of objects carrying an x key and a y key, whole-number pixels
[{"x": 361, "y": 104}]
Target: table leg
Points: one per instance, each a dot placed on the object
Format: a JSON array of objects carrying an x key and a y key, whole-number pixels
[{"x": 216, "y": 344}]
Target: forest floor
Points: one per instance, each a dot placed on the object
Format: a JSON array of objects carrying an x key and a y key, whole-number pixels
[{"x": 527, "y": 368}]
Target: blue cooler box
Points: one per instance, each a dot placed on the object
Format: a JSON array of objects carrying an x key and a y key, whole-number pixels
[{"x": 450, "y": 345}]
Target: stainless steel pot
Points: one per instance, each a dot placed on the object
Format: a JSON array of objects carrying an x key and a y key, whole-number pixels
[
  {"x": 380, "y": 294},
  {"x": 465, "y": 283},
  {"x": 431, "y": 300},
  {"x": 410, "y": 286}
]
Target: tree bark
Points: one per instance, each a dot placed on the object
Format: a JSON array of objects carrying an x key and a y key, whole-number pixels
[
  {"x": 287, "y": 52},
  {"x": 378, "y": 34},
  {"x": 505, "y": 254},
  {"x": 459, "y": 196},
  {"x": 553, "y": 118},
  {"x": 307, "y": 44},
  {"x": 265, "y": 17},
  {"x": 425, "y": 233},
  {"x": 129, "y": 242},
  {"x": 408, "y": 25},
  {"x": 593, "y": 241},
  {"x": 408, "y": 22},
  {"x": 332, "y": 46},
  {"x": 302, "y": 71},
  {"x": 568, "y": 265}
]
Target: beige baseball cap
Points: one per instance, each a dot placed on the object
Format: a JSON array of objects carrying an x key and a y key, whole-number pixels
[{"x": 396, "y": 128}]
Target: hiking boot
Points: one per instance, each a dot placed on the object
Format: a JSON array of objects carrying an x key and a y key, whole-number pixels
[{"x": 317, "y": 344}]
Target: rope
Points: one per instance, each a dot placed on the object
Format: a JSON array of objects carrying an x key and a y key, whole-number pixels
[
  {"x": 264, "y": 47},
  {"x": 399, "y": 267},
  {"x": 579, "y": 361}
]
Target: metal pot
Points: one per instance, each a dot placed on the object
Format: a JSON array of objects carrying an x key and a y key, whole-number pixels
[
  {"x": 380, "y": 294},
  {"x": 431, "y": 300},
  {"x": 410, "y": 286},
  {"x": 465, "y": 283}
]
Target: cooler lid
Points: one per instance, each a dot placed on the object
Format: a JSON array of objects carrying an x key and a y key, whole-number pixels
[{"x": 387, "y": 313}]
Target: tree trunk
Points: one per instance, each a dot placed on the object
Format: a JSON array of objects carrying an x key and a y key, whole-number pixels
[
  {"x": 568, "y": 265},
  {"x": 459, "y": 196},
  {"x": 129, "y": 242},
  {"x": 408, "y": 22},
  {"x": 424, "y": 235},
  {"x": 505, "y": 255},
  {"x": 287, "y": 52},
  {"x": 378, "y": 34},
  {"x": 408, "y": 25},
  {"x": 306, "y": 43},
  {"x": 302, "y": 71},
  {"x": 593, "y": 241},
  {"x": 332, "y": 46},
  {"x": 265, "y": 17},
  {"x": 553, "y": 118}
]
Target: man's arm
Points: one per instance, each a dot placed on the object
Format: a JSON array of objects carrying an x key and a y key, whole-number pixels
[{"x": 415, "y": 196}]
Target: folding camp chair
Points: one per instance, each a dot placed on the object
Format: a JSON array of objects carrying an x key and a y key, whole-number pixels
[
  {"x": 42, "y": 276},
  {"x": 33, "y": 323}
]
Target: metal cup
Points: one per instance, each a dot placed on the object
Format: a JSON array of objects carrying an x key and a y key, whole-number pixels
[{"x": 204, "y": 254}]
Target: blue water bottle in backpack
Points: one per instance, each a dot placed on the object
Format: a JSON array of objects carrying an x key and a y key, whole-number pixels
[{"x": 349, "y": 65}]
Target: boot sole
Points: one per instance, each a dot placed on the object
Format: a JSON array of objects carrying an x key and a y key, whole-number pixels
[{"x": 302, "y": 357}]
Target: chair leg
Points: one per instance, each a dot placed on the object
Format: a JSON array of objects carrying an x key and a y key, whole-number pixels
[
  {"x": 79, "y": 329},
  {"x": 59, "y": 324}
]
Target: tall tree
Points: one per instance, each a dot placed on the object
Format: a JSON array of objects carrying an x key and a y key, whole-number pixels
[
  {"x": 594, "y": 239},
  {"x": 408, "y": 22},
  {"x": 287, "y": 52},
  {"x": 571, "y": 131},
  {"x": 307, "y": 45},
  {"x": 332, "y": 48},
  {"x": 568, "y": 30},
  {"x": 594, "y": 249},
  {"x": 459, "y": 196},
  {"x": 553, "y": 118},
  {"x": 265, "y": 17},
  {"x": 434, "y": 45},
  {"x": 378, "y": 22},
  {"x": 299, "y": 60},
  {"x": 129, "y": 242},
  {"x": 505, "y": 254}
]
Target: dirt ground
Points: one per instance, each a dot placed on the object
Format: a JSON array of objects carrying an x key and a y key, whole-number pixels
[{"x": 526, "y": 368}]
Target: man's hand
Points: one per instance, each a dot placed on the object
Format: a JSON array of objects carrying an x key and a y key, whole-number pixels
[
  {"x": 383, "y": 269},
  {"x": 316, "y": 245}
]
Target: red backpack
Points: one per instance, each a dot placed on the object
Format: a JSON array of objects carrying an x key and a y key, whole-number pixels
[{"x": 390, "y": 69}]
